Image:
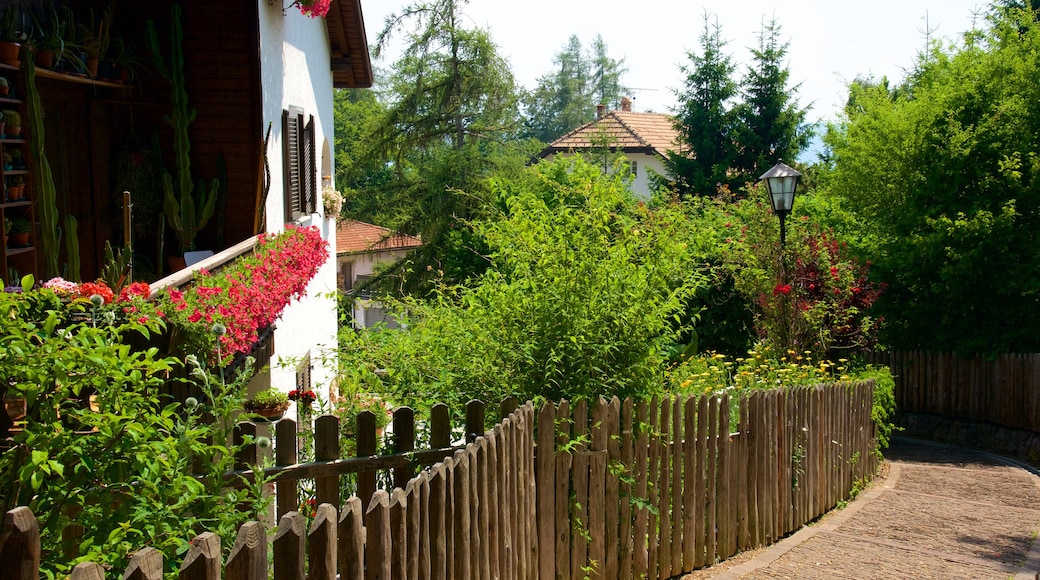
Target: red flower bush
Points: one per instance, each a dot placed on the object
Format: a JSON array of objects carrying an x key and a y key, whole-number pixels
[{"x": 250, "y": 294}]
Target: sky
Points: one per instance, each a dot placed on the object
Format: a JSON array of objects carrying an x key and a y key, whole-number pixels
[{"x": 832, "y": 42}]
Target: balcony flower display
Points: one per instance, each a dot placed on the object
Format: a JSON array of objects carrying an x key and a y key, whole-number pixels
[{"x": 247, "y": 295}]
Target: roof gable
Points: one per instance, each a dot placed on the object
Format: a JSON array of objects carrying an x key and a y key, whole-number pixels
[
  {"x": 354, "y": 237},
  {"x": 650, "y": 133}
]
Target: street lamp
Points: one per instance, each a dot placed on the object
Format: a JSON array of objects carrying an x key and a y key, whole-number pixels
[{"x": 782, "y": 180}]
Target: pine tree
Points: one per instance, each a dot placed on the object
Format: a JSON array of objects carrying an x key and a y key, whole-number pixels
[
  {"x": 704, "y": 118},
  {"x": 770, "y": 125}
]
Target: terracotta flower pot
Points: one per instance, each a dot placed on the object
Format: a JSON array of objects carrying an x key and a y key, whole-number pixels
[
  {"x": 9, "y": 52},
  {"x": 15, "y": 192},
  {"x": 18, "y": 240}
]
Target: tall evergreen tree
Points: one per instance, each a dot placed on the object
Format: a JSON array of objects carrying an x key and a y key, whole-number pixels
[
  {"x": 770, "y": 125},
  {"x": 704, "y": 118},
  {"x": 567, "y": 97}
]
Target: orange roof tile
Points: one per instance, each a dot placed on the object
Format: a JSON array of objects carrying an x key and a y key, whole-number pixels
[
  {"x": 354, "y": 237},
  {"x": 650, "y": 133}
]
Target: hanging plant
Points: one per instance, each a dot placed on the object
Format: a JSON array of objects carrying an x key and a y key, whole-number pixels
[{"x": 313, "y": 8}]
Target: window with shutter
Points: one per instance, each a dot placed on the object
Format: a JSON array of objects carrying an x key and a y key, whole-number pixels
[{"x": 301, "y": 179}]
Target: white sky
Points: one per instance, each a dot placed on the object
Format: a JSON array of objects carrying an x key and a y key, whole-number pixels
[{"x": 831, "y": 41}]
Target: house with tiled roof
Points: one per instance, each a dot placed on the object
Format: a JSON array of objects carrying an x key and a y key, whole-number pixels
[
  {"x": 644, "y": 139},
  {"x": 360, "y": 248}
]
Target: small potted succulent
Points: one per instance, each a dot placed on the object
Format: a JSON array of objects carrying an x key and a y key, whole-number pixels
[
  {"x": 16, "y": 188},
  {"x": 269, "y": 404}
]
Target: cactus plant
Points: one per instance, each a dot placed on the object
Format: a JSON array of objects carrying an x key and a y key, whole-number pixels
[{"x": 188, "y": 207}]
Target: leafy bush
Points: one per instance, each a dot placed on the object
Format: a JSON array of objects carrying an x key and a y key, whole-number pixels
[
  {"x": 582, "y": 298},
  {"x": 100, "y": 445}
]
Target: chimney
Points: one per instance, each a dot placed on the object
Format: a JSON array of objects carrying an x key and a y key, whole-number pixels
[
  {"x": 626, "y": 105},
  {"x": 599, "y": 111}
]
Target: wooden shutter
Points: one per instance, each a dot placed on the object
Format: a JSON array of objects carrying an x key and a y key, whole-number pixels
[
  {"x": 309, "y": 179},
  {"x": 303, "y": 374},
  {"x": 291, "y": 121}
]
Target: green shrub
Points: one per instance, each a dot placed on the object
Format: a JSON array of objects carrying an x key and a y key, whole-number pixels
[{"x": 139, "y": 470}]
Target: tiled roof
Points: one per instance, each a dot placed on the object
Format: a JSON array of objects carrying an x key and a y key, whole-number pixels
[
  {"x": 623, "y": 130},
  {"x": 354, "y": 237}
]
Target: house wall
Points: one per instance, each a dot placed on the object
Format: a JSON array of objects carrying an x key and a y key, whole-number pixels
[
  {"x": 646, "y": 165},
  {"x": 295, "y": 71}
]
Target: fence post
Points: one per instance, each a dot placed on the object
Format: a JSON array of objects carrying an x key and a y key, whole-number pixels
[
  {"x": 404, "y": 441},
  {"x": 321, "y": 544},
  {"x": 474, "y": 420},
  {"x": 248, "y": 558},
  {"x": 545, "y": 454},
  {"x": 202, "y": 562},
  {"x": 288, "y": 547},
  {"x": 326, "y": 448},
  {"x": 377, "y": 544},
  {"x": 366, "y": 446},
  {"x": 147, "y": 564},
  {"x": 20, "y": 549},
  {"x": 87, "y": 571},
  {"x": 286, "y": 453},
  {"x": 351, "y": 537}
]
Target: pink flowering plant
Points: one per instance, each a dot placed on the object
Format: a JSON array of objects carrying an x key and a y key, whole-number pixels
[
  {"x": 313, "y": 8},
  {"x": 245, "y": 296}
]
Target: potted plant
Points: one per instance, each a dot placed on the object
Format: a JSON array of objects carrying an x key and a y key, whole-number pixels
[
  {"x": 269, "y": 404},
  {"x": 5, "y": 86},
  {"x": 19, "y": 232},
  {"x": 7, "y": 230},
  {"x": 94, "y": 39},
  {"x": 10, "y": 36},
  {"x": 48, "y": 34},
  {"x": 16, "y": 189},
  {"x": 126, "y": 61},
  {"x": 17, "y": 162},
  {"x": 12, "y": 123}
]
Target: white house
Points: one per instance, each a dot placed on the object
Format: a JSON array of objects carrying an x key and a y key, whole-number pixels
[
  {"x": 644, "y": 139},
  {"x": 360, "y": 249}
]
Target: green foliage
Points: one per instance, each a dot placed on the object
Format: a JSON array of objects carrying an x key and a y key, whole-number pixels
[
  {"x": 100, "y": 446},
  {"x": 729, "y": 141},
  {"x": 581, "y": 299},
  {"x": 812, "y": 295},
  {"x": 944, "y": 170},
  {"x": 448, "y": 126},
  {"x": 566, "y": 98},
  {"x": 188, "y": 206},
  {"x": 271, "y": 398},
  {"x": 704, "y": 117},
  {"x": 771, "y": 126}
]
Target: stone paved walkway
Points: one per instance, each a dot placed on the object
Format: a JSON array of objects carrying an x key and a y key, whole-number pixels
[{"x": 941, "y": 512}]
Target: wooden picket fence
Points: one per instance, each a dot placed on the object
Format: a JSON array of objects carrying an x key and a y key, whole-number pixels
[
  {"x": 1004, "y": 390},
  {"x": 613, "y": 490}
]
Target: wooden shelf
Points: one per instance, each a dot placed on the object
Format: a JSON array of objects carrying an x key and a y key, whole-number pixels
[
  {"x": 13, "y": 141},
  {"x": 16, "y": 251},
  {"x": 42, "y": 73},
  {"x": 10, "y": 101},
  {"x": 14, "y": 204}
]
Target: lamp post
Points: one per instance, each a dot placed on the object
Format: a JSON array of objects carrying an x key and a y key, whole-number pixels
[{"x": 781, "y": 180}]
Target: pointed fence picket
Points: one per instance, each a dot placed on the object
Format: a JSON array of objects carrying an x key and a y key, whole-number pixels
[{"x": 604, "y": 489}]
